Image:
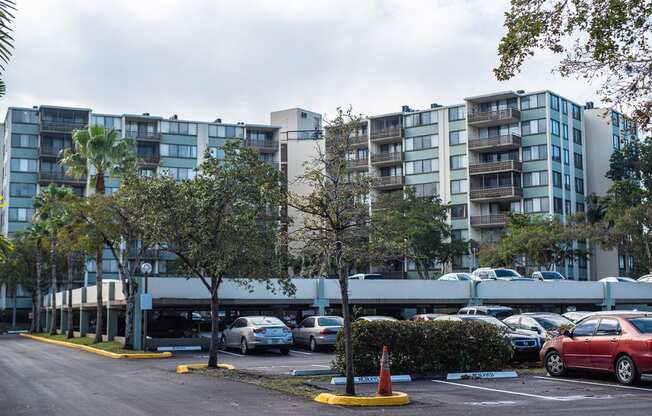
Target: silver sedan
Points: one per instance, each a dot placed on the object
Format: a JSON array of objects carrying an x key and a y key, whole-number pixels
[
  {"x": 257, "y": 332},
  {"x": 317, "y": 331}
]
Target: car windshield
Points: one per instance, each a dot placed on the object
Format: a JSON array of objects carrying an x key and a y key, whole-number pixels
[
  {"x": 373, "y": 277},
  {"x": 487, "y": 319},
  {"x": 501, "y": 314},
  {"x": 330, "y": 321},
  {"x": 266, "y": 321},
  {"x": 506, "y": 273},
  {"x": 643, "y": 324},
  {"x": 552, "y": 276},
  {"x": 464, "y": 276},
  {"x": 551, "y": 322}
]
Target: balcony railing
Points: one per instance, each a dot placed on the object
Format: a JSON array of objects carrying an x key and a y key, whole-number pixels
[
  {"x": 357, "y": 163},
  {"x": 507, "y": 142},
  {"x": 263, "y": 145},
  {"x": 150, "y": 159},
  {"x": 357, "y": 140},
  {"x": 501, "y": 192},
  {"x": 49, "y": 151},
  {"x": 143, "y": 135},
  {"x": 303, "y": 134},
  {"x": 390, "y": 182},
  {"x": 387, "y": 157},
  {"x": 59, "y": 177},
  {"x": 492, "y": 167},
  {"x": 494, "y": 220},
  {"x": 386, "y": 133},
  {"x": 490, "y": 117},
  {"x": 61, "y": 126}
]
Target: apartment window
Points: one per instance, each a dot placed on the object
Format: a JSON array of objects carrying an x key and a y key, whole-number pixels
[
  {"x": 217, "y": 131},
  {"x": 566, "y": 157},
  {"x": 216, "y": 152},
  {"x": 23, "y": 165},
  {"x": 24, "y": 116},
  {"x": 615, "y": 142},
  {"x": 554, "y": 127},
  {"x": 421, "y": 119},
  {"x": 533, "y": 127},
  {"x": 24, "y": 140},
  {"x": 178, "y": 150},
  {"x": 564, "y": 131},
  {"x": 556, "y": 153},
  {"x": 497, "y": 131},
  {"x": 459, "y": 235},
  {"x": 564, "y": 106},
  {"x": 579, "y": 206},
  {"x": 108, "y": 266},
  {"x": 558, "y": 205},
  {"x": 391, "y": 171},
  {"x": 577, "y": 112},
  {"x": 538, "y": 152},
  {"x": 179, "y": 174},
  {"x": 108, "y": 122},
  {"x": 556, "y": 179},
  {"x": 457, "y": 137},
  {"x": 539, "y": 178},
  {"x": 459, "y": 186},
  {"x": 459, "y": 162},
  {"x": 146, "y": 173},
  {"x": 457, "y": 113},
  {"x": 21, "y": 214},
  {"x": 421, "y": 166},
  {"x": 421, "y": 142},
  {"x": 578, "y": 161},
  {"x": 179, "y": 127},
  {"x": 567, "y": 207},
  {"x": 426, "y": 189},
  {"x": 577, "y": 136},
  {"x": 25, "y": 190},
  {"x": 110, "y": 190},
  {"x": 541, "y": 204},
  {"x": 554, "y": 102},
  {"x": 615, "y": 119},
  {"x": 567, "y": 182},
  {"x": 533, "y": 101},
  {"x": 458, "y": 212},
  {"x": 579, "y": 185}
]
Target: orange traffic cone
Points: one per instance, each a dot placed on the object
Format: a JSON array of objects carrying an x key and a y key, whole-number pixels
[{"x": 385, "y": 380}]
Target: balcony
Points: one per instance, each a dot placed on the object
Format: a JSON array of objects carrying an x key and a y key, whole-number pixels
[
  {"x": 61, "y": 126},
  {"x": 389, "y": 182},
  {"x": 495, "y": 167},
  {"x": 386, "y": 158},
  {"x": 387, "y": 135},
  {"x": 46, "y": 177},
  {"x": 497, "y": 193},
  {"x": 358, "y": 141},
  {"x": 489, "y": 221},
  {"x": 264, "y": 146},
  {"x": 492, "y": 118},
  {"x": 49, "y": 151},
  {"x": 495, "y": 144},
  {"x": 150, "y": 159},
  {"x": 151, "y": 136},
  {"x": 357, "y": 164}
]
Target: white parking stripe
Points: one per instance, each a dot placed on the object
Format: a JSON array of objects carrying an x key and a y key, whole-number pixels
[
  {"x": 536, "y": 396},
  {"x": 321, "y": 366},
  {"x": 231, "y": 353},
  {"x": 301, "y": 352},
  {"x": 592, "y": 383}
]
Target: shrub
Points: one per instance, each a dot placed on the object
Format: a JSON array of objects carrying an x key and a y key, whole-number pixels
[{"x": 425, "y": 347}]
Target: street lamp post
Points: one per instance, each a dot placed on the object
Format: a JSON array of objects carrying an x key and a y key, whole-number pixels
[{"x": 145, "y": 304}]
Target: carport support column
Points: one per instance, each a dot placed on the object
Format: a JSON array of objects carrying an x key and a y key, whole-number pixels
[
  {"x": 46, "y": 323},
  {"x": 608, "y": 302},
  {"x": 83, "y": 315},
  {"x": 111, "y": 315},
  {"x": 474, "y": 299},
  {"x": 138, "y": 318},
  {"x": 321, "y": 301},
  {"x": 63, "y": 324}
]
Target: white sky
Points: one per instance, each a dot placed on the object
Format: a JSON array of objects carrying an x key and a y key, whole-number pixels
[{"x": 241, "y": 59}]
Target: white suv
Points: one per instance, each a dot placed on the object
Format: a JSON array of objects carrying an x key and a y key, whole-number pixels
[{"x": 487, "y": 273}]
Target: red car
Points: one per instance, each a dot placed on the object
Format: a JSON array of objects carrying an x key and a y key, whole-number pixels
[{"x": 616, "y": 343}]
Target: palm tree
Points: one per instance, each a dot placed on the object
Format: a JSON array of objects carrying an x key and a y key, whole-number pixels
[
  {"x": 99, "y": 152},
  {"x": 6, "y": 40},
  {"x": 37, "y": 233},
  {"x": 48, "y": 208}
]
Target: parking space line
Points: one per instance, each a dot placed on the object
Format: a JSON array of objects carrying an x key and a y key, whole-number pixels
[
  {"x": 536, "y": 396},
  {"x": 301, "y": 352},
  {"x": 592, "y": 383},
  {"x": 321, "y": 366},
  {"x": 231, "y": 353}
]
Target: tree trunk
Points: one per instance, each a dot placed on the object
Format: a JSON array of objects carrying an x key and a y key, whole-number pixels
[
  {"x": 71, "y": 271},
  {"x": 53, "y": 284},
  {"x": 13, "y": 308},
  {"x": 346, "y": 315},
  {"x": 32, "y": 325},
  {"x": 99, "y": 317},
  {"x": 132, "y": 289},
  {"x": 215, "y": 323},
  {"x": 39, "y": 293}
]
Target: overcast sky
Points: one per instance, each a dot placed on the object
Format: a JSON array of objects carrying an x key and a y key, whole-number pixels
[{"x": 239, "y": 60}]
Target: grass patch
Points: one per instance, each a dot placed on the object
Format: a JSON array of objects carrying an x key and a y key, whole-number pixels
[
  {"x": 110, "y": 346},
  {"x": 304, "y": 387}
]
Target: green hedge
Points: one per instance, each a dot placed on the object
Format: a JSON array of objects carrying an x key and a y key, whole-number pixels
[{"x": 425, "y": 347}]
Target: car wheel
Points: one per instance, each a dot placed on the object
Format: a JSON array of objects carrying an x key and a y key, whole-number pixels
[
  {"x": 244, "y": 347},
  {"x": 555, "y": 364},
  {"x": 285, "y": 350},
  {"x": 313, "y": 345},
  {"x": 626, "y": 371},
  {"x": 222, "y": 343}
]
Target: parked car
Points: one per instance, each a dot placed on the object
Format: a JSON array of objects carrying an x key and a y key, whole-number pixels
[
  {"x": 257, "y": 332},
  {"x": 366, "y": 276},
  {"x": 548, "y": 276},
  {"x": 500, "y": 312},
  {"x": 487, "y": 273},
  {"x": 459, "y": 276},
  {"x": 546, "y": 324},
  {"x": 617, "y": 279},
  {"x": 616, "y": 343},
  {"x": 426, "y": 316},
  {"x": 645, "y": 279},
  {"x": 525, "y": 343},
  {"x": 576, "y": 316},
  {"x": 317, "y": 331},
  {"x": 376, "y": 318}
]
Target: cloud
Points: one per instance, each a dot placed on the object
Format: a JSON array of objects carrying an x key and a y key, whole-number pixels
[{"x": 239, "y": 60}]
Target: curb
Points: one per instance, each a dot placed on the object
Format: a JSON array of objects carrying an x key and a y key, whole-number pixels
[
  {"x": 396, "y": 399},
  {"x": 185, "y": 368},
  {"x": 97, "y": 350},
  {"x": 320, "y": 372}
]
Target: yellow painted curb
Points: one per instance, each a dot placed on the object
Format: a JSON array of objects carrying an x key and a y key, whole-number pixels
[
  {"x": 397, "y": 399},
  {"x": 185, "y": 368},
  {"x": 97, "y": 350}
]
